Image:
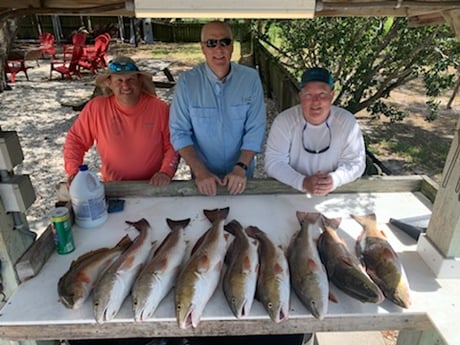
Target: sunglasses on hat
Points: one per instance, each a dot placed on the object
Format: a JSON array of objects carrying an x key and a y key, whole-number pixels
[
  {"x": 123, "y": 67},
  {"x": 212, "y": 43}
]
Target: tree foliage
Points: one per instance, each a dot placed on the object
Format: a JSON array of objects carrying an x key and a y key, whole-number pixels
[{"x": 369, "y": 57}]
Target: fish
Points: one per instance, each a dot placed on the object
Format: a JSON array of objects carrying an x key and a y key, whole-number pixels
[
  {"x": 308, "y": 276},
  {"x": 273, "y": 287},
  {"x": 200, "y": 275},
  {"x": 342, "y": 267},
  {"x": 160, "y": 272},
  {"x": 76, "y": 284},
  {"x": 240, "y": 278},
  {"x": 381, "y": 261},
  {"x": 115, "y": 283}
]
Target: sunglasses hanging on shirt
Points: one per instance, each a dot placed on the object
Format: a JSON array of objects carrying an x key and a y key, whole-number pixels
[{"x": 315, "y": 152}]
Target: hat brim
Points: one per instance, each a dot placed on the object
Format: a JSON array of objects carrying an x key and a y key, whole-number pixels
[{"x": 102, "y": 77}]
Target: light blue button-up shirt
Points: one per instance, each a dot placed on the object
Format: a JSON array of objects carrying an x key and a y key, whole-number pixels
[{"x": 218, "y": 117}]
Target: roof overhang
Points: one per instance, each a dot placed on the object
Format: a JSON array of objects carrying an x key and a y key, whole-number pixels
[{"x": 419, "y": 12}]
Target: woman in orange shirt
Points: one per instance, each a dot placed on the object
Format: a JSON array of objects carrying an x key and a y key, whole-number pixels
[{"x": 129, "y": 125}]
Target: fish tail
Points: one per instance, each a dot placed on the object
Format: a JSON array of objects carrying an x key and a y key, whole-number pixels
[
  {"x": 364, "y": 219},
  {"x": 174, "y": 224},
  {"x": 253, "y": 231},
  {"x": 124, "y": 243},
  {"x": 139, "y": 224},
  {"x": 330, "y": 222},
  {"x": 216, "y": 214},
  {"x": 310, "y": 217},
  {"x": 233, "y": 227}
]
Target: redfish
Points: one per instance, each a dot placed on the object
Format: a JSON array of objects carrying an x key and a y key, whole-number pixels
[
  {"x": 308, "y": 275},
  {"x": 240, "y": 278},
  {"x": 342, "y": 267},
  {"x": 273, "y": 287},
  {"x": 115, "y": 284},
  {"x": 199, "y": 277},
  {"x": 76, "y": 284},
  {"x": 381, "y": 261},
  {"x": 160, "y": 272}
]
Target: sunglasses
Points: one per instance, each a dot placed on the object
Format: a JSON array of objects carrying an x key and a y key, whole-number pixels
[
  {"x": 315, "y": 152},
  {"x": 123, "y": 67},
  {"x": 212, "y": 43}
]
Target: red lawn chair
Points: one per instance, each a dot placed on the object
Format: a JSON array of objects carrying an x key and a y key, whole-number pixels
[
  {"x": 47, "y": 44},
  {"x": 68, "y": 66},
  {"x": 94, "y": 56},
  {"x": 15, "y": 66}
]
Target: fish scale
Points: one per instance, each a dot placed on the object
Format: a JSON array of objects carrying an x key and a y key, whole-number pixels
[
  {"x": 160, "y": 272},
  {"x": 273, "y": 287},
  {"x": 77, "y": 283},
  {"x": 199, "y": 277},
  {"x": 115, "y": 284},
  {"x": 308, "y": 275},
  {"x": 381, "y": 261},
  {"x": 240, "y": 278}
]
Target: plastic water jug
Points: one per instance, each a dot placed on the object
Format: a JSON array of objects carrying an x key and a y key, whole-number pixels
[{"x": 88, "y": 199}]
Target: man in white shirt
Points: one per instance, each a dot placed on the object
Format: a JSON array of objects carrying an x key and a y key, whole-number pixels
[{"x": 315, "y": 147}]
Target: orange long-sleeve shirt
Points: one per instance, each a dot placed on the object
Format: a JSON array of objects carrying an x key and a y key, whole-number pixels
[{"x": 133, "y": 143}]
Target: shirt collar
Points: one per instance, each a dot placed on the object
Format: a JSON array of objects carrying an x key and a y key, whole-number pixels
[{"x": 214, "y": 78}]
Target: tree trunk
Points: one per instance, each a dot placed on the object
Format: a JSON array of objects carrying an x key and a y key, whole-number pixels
[{"x": 8, "y": 29}]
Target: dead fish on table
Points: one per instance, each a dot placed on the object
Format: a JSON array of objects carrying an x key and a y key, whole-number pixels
[
  {"x": 240, "y": 278},
  {"x": 308, "y": 275},
  {"x": 200, "y": 275},
  {"x": 76, "y": 284},
  {"x": 273, "y": 287},
  {"x": 342, "y": 267},
  {"x": 381, "y": 261},
  {"x": 160, "y": 272},
  {"x": 115, "y": 283}
]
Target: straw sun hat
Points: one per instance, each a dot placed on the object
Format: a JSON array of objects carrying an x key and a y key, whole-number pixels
[{"x": 123, "y": 65}]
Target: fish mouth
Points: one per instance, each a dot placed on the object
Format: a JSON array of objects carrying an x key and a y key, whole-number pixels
[{"x": 187, "y": 321}]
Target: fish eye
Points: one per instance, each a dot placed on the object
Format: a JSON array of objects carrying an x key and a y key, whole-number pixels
[
  {"x": 270, "y": 305},
  {"x": 178, "y": 307}
]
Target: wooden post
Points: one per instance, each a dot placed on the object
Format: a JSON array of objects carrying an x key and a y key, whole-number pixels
[{"x": 444, "y": 227}]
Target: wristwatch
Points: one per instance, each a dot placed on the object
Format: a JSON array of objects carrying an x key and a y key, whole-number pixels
[{"x": 242, "y": 165}]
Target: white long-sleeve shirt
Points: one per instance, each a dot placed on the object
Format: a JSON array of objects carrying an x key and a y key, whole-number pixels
[{"x": 287, "y": 160}]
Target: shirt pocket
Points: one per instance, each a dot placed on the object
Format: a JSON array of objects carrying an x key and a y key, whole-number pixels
[{"x": 203, "y": 119}]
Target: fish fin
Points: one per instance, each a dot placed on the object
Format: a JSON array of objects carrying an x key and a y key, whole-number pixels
[
  {"x": 174, "y": 224},
  {"x": 233, "y": 227},
  {"x": 253, "y": 231},
  {"x": 332, "y": 298},
  {"x": 389, "y": 254},
  {"x": 138, "y": 224},
  {"x": 383, "y": 233},
  {"x": 124, "y": 243},
  {"x": 347, "y": 260},
  {"x": 312, "y": 264},
  {"x": 216, "y": 214},
  {"x": 246, "y": 264},
  {"x": 203, "y": 263},
  {"x": 332, "y": 223},
  {"x": 364, "y": 220},
  {"x": 278, "y": 268},
  {"x": 310, "y": 217}
]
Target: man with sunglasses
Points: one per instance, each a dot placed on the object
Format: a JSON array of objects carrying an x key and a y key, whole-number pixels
[
  {"x": 315, "y": 147},
  {"x": 130, "y": 126},
  {"x": 218, "y": 114}
]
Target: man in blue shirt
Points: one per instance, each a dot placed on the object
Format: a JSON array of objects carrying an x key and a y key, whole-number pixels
[{"x": 217, "y": 118}]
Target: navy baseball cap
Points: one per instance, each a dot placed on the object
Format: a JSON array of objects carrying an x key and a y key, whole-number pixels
[{"x": 317, "y": 74}]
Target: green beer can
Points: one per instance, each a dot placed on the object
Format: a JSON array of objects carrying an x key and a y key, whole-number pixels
[{"x": 62, "y": 230}]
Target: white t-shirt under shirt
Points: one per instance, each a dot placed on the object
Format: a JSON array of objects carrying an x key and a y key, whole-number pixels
[{"x": 287, "y": 160}]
